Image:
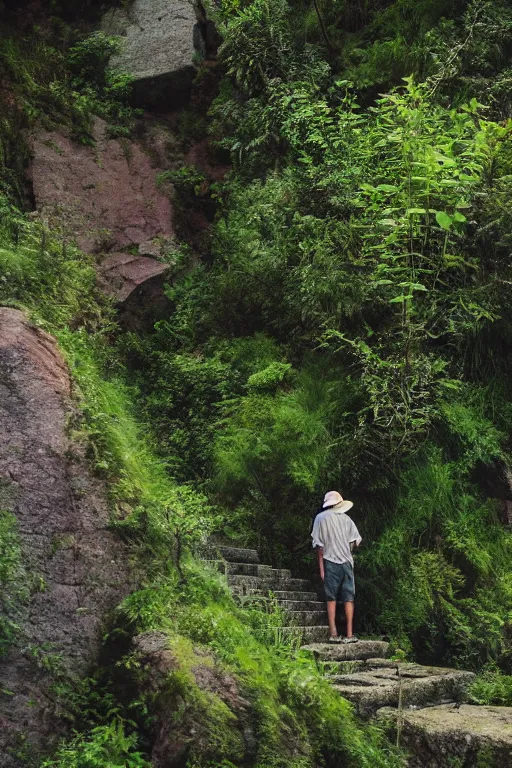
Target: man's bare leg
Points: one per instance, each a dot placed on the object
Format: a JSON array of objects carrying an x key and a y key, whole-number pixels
[
  {"x": 349, "y": 615},
  {"x": 331, "y": 615}
]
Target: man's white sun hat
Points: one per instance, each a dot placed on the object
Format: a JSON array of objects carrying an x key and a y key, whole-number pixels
[{"x": 335, "y": 500}]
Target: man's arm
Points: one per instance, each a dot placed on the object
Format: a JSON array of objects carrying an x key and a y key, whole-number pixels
[
  {"x": 320, "y": 556},
  {"x": 319, "y": 546},
  {"x": 355, "y": 539}
]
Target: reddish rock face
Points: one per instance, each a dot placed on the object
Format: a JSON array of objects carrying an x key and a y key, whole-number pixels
[
  {"x": 75, "y": 567},
  {"x": 103, "y": 197}
]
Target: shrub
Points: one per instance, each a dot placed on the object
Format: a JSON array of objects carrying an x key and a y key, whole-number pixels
[
  {"x": 106, "y": 746},
  {"x": 491, "y": 688}
]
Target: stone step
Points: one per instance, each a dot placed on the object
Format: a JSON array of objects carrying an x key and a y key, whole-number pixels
[
  {"x": 307, "y": 618},
  {"x": 286, "y": 596},
  {"x": 242, "y": 583},
  {"x": 302, "y": 605},
  {"x": 249, "y": 569},
  {"x": 294, "y": 608},
  {"x": 333, "y": 668},
  {"x": 312, "y": 634},
  {"x": 364, "y": 649},
  {"x": 237, "y": 555},
  {"x": 442, "y": 736},
  {"x": 415, "y": 685}
]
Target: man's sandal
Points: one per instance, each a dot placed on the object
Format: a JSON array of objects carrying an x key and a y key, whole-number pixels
[
  {"x": 336, "y": 639},
  {"x": 352, "y": 639}
]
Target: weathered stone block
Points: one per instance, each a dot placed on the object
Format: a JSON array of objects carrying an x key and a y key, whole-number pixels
[
  {"x": 444, "y": 736},
  {"x": 410, "y": 684},
  {"x": 158, "y": 49}
]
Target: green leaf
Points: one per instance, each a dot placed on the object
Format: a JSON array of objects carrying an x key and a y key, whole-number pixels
[
  {"x": 444, "y": 220},
  {"x": 447, "y": 162},
  {"x": 412, "y": 211},
  {"x": 399, "y": 299},
  {"x": 413, "y": 286},
  {"x": 450, "y": 383},
  {"x": 387, "y": 188}
]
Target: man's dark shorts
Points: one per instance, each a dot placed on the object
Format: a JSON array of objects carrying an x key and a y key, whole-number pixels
[{"x": 339, "y": 581}]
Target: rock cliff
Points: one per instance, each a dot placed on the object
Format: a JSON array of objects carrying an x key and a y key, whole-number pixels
[{"x": 74, "y": 567}]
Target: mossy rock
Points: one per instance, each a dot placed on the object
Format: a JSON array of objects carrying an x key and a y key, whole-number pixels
[{"x": 197, "y": 709}]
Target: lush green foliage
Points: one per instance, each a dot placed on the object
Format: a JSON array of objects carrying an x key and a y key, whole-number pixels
[
  {"x": 161, "y": 521},
  {"x": 55, "y": 85},
  {"x": 352, "y": 329},
  {"x": 348, "y": 329},
  {"x": 41, "y": 273},
  {"x": 194, "y": 607}
]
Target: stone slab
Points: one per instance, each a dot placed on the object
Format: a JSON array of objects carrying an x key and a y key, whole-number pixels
[
  {"x": 120, "y": 273},
  {"x": 307, "y": 618},
  {"x": 444, "y": 736},
  {"x": 411, "y": 684},
  {"x": 301, "y": 605},
  {"x": 250, "y": 569},
  {"x": 364, "y": 649},
  {"x": 241, "y": 583},
  {"x": 239, "y": 555},
  {"x": 296, "y": 596}
]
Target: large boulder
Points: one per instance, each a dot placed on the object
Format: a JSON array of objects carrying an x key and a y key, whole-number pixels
[
  {"x": 104, "y": 196},
  {"x": 197, "y": 708},
  {"x": 158, "y": 49},
  {"x": 75, "y": 569}
]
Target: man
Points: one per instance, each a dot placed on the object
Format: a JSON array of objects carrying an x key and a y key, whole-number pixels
[{"x": 334, "y": 536}]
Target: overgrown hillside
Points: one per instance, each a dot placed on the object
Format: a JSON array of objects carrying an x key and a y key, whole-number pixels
[
  {"x": 342, "y": 324},
  {"x": 350, "y": 327}
]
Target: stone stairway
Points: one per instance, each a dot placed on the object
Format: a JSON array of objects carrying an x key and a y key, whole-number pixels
[
  {"x": 396, "y": 692},
  {"x": 247, "y": 578},
  {"x": 361, "y": 672}
]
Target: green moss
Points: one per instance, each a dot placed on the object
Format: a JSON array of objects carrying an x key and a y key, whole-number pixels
[
  {"x": 216, "y": 731},
  {"x": 270, "y": 378},
  {"x": 13, "y": 586}
]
